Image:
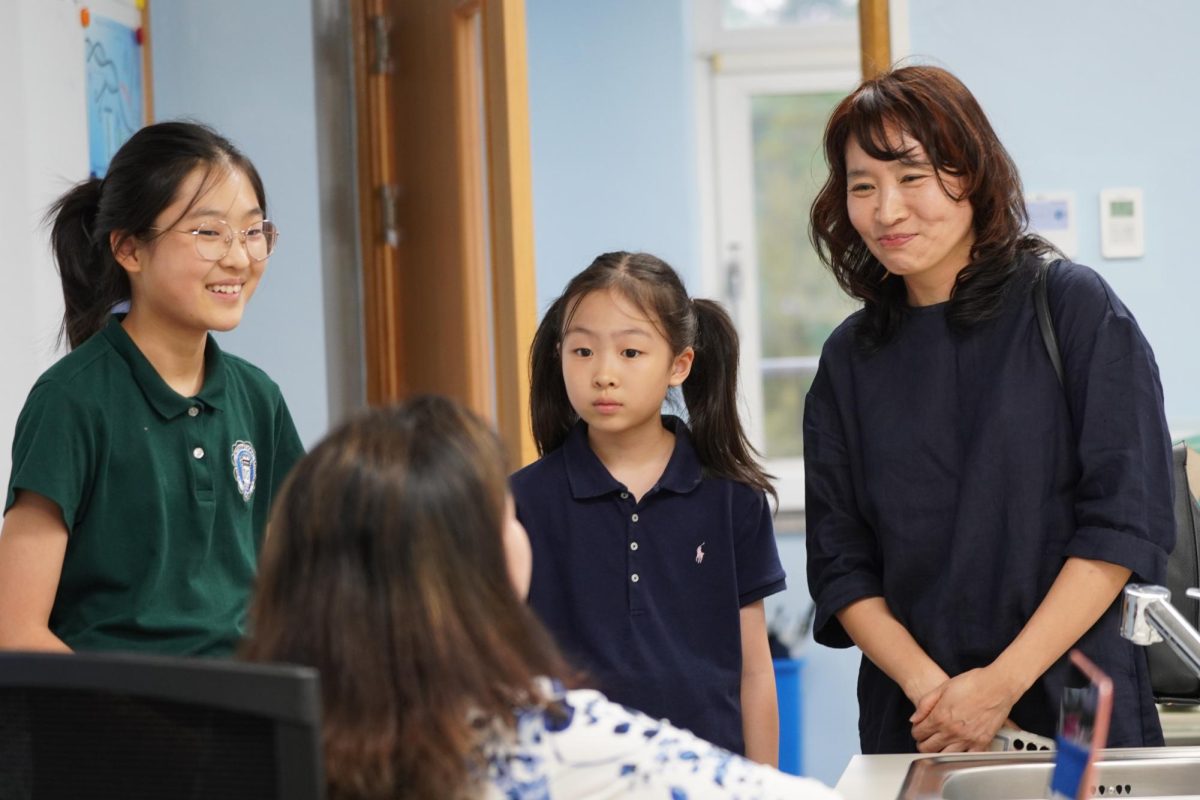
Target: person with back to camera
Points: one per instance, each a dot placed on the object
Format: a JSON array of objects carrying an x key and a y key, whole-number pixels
[
  {"x": 396, "y": 567},
  {"x": 653, "y": 542},
  {"x": 969, "y": 520},
  {"x": 145, "y": 460}
]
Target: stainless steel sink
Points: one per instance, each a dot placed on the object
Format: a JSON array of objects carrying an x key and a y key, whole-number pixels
[{"x": 1167, "y": 773}]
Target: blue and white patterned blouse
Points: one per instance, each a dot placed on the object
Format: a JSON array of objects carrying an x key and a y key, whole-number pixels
[{"x": 600, "y": 749}]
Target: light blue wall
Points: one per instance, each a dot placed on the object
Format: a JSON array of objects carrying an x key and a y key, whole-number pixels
[
  {"x": 610, "y": 106},
  {"x": 250, "y": 75},
  {"x": 1093, "y": 95}
]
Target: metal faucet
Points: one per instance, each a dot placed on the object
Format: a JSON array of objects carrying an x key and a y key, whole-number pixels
[{"x": 1147, "y": 616}]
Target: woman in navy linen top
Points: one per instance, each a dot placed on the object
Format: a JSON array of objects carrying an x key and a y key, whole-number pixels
[{"x": 969, "y": 521}]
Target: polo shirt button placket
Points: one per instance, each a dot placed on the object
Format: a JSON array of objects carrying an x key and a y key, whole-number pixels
[
  {"x": 202, "y": 467},
  {"x": 635, "y": 603}
]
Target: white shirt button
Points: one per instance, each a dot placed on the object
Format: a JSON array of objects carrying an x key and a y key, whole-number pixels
[
  {"x": 198, "y": 452},
  {"x": 193, "y": 411},
  {"x": 634, "y": 577},
  {"x": 633, "y": 545},
  {"x": 634, "y": 518}
]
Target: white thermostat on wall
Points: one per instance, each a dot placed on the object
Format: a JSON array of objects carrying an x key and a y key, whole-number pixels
[
  {"x": 1121, "y": 223},
  {"x": 1052, "y": 216}
]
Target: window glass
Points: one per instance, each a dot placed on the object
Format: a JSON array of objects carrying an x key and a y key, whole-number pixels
[
  {"x": 749, "y": 14},
  {"x": 799, "y": 302}
]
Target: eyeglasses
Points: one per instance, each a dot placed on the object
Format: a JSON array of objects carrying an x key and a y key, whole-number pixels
[{"x": 214, "y": 239}]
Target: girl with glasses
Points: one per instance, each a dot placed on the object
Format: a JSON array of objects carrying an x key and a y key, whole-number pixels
[{"x": 145, "y": 460}]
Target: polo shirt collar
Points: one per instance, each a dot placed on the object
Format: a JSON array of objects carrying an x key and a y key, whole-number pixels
[
  {"x": 589, "y": 477},
  {"x": 165, "y": 400}
]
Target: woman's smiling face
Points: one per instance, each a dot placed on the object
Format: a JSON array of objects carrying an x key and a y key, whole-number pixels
[{"x": 908, "y": 218}]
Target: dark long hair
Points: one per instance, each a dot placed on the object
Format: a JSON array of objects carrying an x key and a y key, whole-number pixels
[
  {"x": 385, "y": 569},
  {"x": 934, "y": 108},
  {"x": 710, "y": 391},
  {"x": 143, "y": 178}
]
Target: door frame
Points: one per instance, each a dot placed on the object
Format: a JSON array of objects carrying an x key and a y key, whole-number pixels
[{"x": 496, "y": 224}]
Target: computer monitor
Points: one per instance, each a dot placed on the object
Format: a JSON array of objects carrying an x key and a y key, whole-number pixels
[{"x": 134, "y": 726}]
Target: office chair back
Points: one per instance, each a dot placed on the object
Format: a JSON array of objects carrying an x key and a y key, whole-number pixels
[{"x": 133, "y": 726}]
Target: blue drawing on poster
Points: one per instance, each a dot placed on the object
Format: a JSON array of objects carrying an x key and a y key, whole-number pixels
[{"x": 113, "y": 60}]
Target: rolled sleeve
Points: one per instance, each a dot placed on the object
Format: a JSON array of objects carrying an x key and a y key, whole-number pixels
[
  {"x": 1147, "y": 560},
  {"x": 1124, "y": 498}
]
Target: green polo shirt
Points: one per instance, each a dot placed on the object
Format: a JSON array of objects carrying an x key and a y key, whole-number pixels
[{"x": 165, "y": 497}]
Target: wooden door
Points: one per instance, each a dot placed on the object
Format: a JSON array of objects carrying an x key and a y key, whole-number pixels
[{"x": 445, "y": 205}]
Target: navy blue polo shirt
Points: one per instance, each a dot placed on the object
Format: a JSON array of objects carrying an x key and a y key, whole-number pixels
[{"x": 646, "y": 596}]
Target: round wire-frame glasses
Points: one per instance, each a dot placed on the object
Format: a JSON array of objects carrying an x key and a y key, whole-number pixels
[{"x": 214, "y": 238}]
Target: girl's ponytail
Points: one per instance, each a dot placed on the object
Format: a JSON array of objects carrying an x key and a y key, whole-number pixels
[
  {"x": 93, "y": 282},
  {"x": 710, "y": 393},
  {"x": 550, "y": 411}
]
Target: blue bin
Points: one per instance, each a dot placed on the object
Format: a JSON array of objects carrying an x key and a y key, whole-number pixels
[{"x": 789, "y": 674}]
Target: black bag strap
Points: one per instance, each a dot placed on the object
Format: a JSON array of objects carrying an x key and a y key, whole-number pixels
[{"x": 1041, "y": 304}]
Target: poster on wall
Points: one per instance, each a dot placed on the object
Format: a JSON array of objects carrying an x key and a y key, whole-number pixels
[{"x": 116, "y": 62}]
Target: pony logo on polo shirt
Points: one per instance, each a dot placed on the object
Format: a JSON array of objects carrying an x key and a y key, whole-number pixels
[
  {"x": 700, "y": 553},
  {"x": 245, "y": 468}
]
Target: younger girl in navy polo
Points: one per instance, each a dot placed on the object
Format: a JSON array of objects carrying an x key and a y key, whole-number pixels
[
  {"x": 145, "y": 460},
  {"x": 653, "y": 546}
]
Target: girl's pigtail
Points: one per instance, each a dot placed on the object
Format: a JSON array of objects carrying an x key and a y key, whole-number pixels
[
  {"x": 92, "y": 280},
  {"x": 710, "y": 393},
  {"x": 551, "y": 414}
]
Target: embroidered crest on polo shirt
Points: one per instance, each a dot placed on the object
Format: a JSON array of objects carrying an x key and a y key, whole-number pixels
[
  {"x": 700, "y": 553},
  {"x": 245, "y": 468}
]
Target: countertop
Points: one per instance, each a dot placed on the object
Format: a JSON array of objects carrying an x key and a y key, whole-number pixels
[
  {"x": 880, "y": 777},
  {"x": 874, "y": 777}
]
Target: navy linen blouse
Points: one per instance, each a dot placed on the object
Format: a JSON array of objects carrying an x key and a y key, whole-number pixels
[{"x": 953, "y": 476}]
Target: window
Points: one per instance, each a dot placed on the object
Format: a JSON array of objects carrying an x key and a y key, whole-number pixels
[{"x": 771, "y": 72}]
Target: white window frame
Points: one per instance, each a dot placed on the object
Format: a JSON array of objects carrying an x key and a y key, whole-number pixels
[{"x": 730, "y": 67}]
